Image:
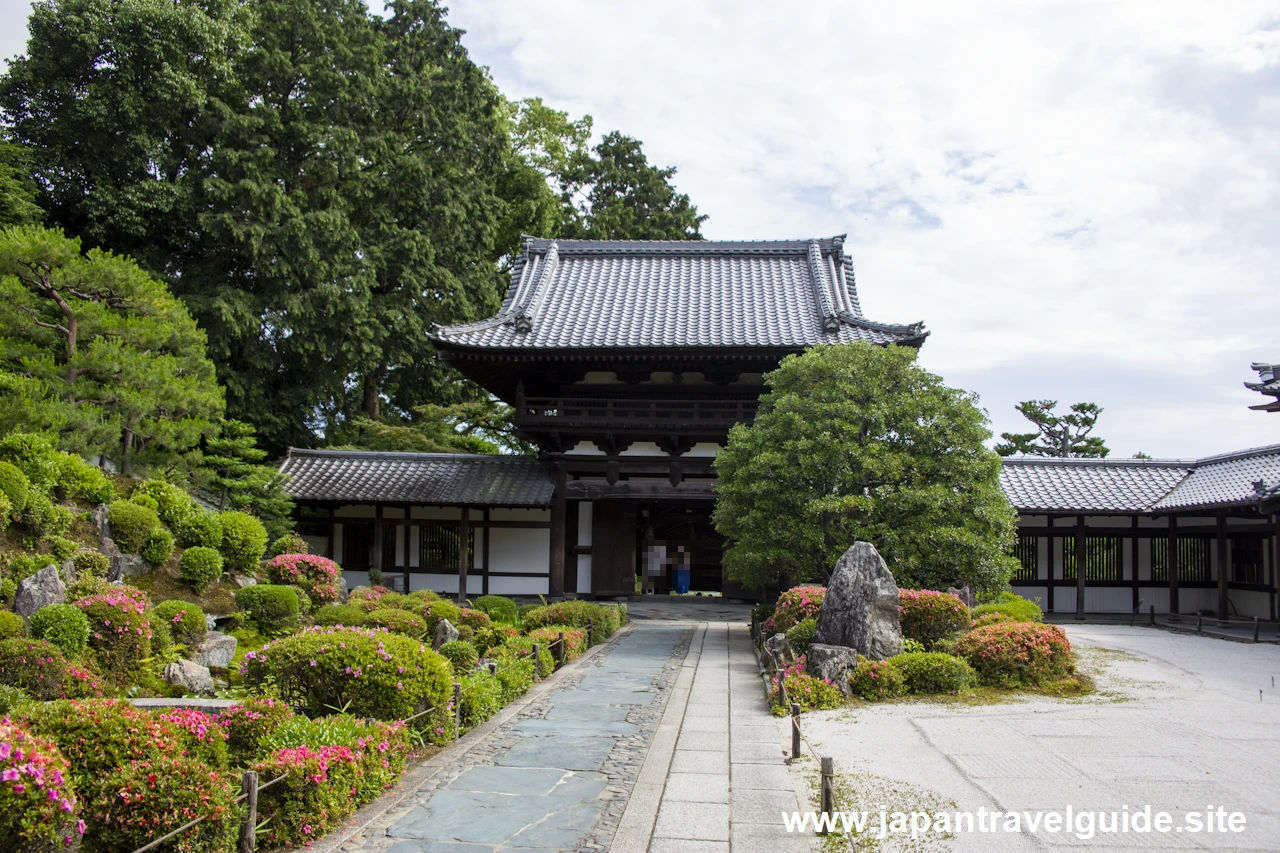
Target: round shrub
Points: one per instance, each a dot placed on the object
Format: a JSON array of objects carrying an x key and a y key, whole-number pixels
[
  {"x": 801, "y": 635},
  {"x": 575, "y": 641},
  {"x": 99, "y": 735},
  {"x": 172, "y": 503},
  {"x": 314, "y": 799},
  {"x": 794, "y": 606},
  {"x": 934, "y": 672},
  {"x": 369, "y": 593},
  {"x": 15, "y": 486},
  {"x": 399, "y": 622},
  {"x": 157, "y": 548},
  {"x": 439, "y": 610},
  {"x": 78, "y": 480},
  {"x": 368, "y": 672},
  {"x": 65, "y": 626},
  {"x": 202, "y": 738},
  {"x": 522, "y": 647},
  {"x": 184, "y": 621},
  {"x": 86, "y": 586},
  {"x": 304, "y": 600},
  {"x": 1015, "y": 609},
  {"x": 481, "y": 698},
  {"x": 244, "y": 541},
  {"x": 270, "y": 608},
  {"x": 39, "y": 809},
  {"x": 473, "y": 619},
  {"x": 290, "y": 543},
  {"x": 11, "y": 625},
  {"x": 379, "y": 748},
  {"x": 812, "y": 693},
  {"x": 1012, "y": 654},
  {"x": 143, "y": 800},
  {"x": 92, "y": 564},
  {"x": 35, "y": 456},
  {"x": 12, "y": 698},
  {"x": 248, "y": 722},
  {"x": 199, "y": 567},
  {"x": 8, "y": 589},
  {"x": 579, "y": 614},
  {"x": 499, "y": 608},
  {"x": 40, "y": 668},
  {"x": 130, "y": 524},
  {"x": 494, "y": 635},
  {"x": 318, "y": 576},
  {"x": 120, "y": 632},
  {"x": 198, "y": 527},
  {"x": 341, "y": 614},
  {"x": 400, "y": 601},
  {"x": 909, "y": 645},
  {"x": 6, "y": 511},
  {"x": 991, "y": 619},
  {"x": 44, "y": 518},
  {"x": 515, "y": 673},
  {"x": 146, "y": 501},
  {"x": 876, "y": 680},
  {"x": 930, "y": 616},
  {"x": 461, "y": 655}
]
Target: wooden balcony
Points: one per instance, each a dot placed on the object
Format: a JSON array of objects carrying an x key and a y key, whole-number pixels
[{"x": 640, "y": 415}]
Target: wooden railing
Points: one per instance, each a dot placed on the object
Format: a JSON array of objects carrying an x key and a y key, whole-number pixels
[{"x": 605, "y": 412}]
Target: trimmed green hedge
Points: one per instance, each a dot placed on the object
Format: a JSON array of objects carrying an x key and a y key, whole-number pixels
[
  {"x": 65, "y": 626},
  {"x": 269, "y": 608},
  {"x": 130, "y": 525},
  {"x": 244, "y": 541},
  {"x": 199, "y": 567}
]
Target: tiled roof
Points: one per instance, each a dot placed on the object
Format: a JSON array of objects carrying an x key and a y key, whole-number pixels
[
  {"x": 449, "y": 479},
  {"x": 1038, "y": 484},
  {"x": 591, "y": 294},
  {"x": 1269, "y": 374}
]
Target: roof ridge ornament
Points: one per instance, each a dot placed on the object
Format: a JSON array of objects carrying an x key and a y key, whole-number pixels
[
  {"x": 528, "y": 311},
  {"x": 830, "y": 319}
]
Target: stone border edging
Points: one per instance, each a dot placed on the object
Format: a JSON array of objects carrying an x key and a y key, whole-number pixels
[
  {"x": 635, "y": 829},
  {"x": 409, "y": 783}
]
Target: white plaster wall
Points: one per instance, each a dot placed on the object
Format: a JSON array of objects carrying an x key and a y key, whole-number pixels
[
  {"x": 521, "y": 549},
  {"x": 519, "y": 586},
  {"x": 445, "y": 583},
  {"x": 1249, "y": 603},
  {"x": 584, "y": 524},
  {"x": 643, "y": 448},
  {"x": 703, "y": 450},
  {"x": 584, "y": 573},
  {"x": 585, "y": 448}
]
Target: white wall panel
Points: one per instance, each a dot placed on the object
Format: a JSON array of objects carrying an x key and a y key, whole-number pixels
[
  {"x": 584, "y": 573},
  {"x": 518, "y": 586},
  {"x": 521, "y": 549}
]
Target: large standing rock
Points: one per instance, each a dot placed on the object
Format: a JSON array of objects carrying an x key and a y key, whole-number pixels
[
  {"x": 100, "y": 513},
  {"x": 342, "y": 589},
  {"x": 217, "y": 650},
  {"x": 833, "y": 663},
  {"x": 780, "y": 651},
  {"x": 860, "y": 609},
  {"x": 190, "y": 676},
  {"x": 964, "y": 594},
  {"x": 123, "y": 565},
  {"x": 41, "y": 589},
  {"x": 445, "y": 633},
  {"x": 67, "y": 571},
  {"x": 244, "y": 580}
]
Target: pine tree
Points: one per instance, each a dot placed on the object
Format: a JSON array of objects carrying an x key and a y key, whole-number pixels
[
  {"x": 231, "y": 472},
  {"x": 1056, "y": 435}
]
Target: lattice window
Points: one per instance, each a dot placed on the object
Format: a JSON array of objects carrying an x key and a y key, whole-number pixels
[
  {"x": 357, "y": 546},
  {"x": 1103, "y": 558},
  {"x": 1027, "y": 551},
  {"x": 1194, "y": 561},
  {"x": 1246, "y": 559},
  {"x": 438, "y": 546}
]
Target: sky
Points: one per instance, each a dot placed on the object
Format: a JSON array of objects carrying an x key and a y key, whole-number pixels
[{"x": 1081, "y": 200}]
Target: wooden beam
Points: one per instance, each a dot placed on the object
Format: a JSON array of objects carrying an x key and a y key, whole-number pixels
[
  {"x": 484, "y": 574},
  {"x": 1049, "y": 574},
  {"x": 376, "y": 562},
  {"x": 1275, "y": 562},
  {"x": 555, "y": 588},
  {"x": 1080, "y": 572},
  {"x": 1173, "y": 566},
  {"x": 464, "y": 553},
  {"x": 1224, "y": 558},
  {"x": 1133, "y": 563}
]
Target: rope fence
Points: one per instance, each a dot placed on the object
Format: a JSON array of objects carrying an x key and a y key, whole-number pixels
[{"x": 249, "y": 780}]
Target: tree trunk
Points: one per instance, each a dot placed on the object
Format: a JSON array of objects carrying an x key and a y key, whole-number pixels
[{"x": 372, "y": 394}]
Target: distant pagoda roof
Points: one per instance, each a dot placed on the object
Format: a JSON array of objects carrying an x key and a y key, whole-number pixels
[
  {"x": 1269, "y": 374},
  {"x": 610, "y": 295}
]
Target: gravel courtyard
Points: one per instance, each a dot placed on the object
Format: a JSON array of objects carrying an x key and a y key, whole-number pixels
[{"x": 1181, "y": 723}]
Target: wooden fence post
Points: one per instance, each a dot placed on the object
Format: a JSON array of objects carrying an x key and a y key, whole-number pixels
[
  {"x": 457, "y": 710},
  {"x": 591, "y": 626},
  {"x": 1257, "y": 626},
  {"x": 828, "y": 785},
  {"x": 560, "y": 652},
  {"x": 249, "y": 829},
  {"x": 1153, "y": 615},
  {"x": 537, "y": 650},
  {"x": 795, "y": 730}
]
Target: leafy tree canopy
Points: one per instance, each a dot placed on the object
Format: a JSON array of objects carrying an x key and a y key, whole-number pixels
[
  {"x": 479, "y": 426},
  {"x": 860, "y": 443},
  {"x": 1056, "y": 435},
  {"x": 95, "y": 349},
  {"x": 17, "y": 189},
  {"x": 231, "y": 471}
]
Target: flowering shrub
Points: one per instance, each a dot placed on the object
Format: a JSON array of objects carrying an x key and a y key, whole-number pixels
[
  {"x": 368, "y": 593},
  {"x": 812, "y": 693},
  {"x": 341, "y": 614},
  {"x": 461, "y": 655},
  {"x": 64, "y": 626},
  {"x": 439, "y": 610},
  {"x": 400, "y": 601},
  {"x": 38, "y": 806},
  {"x": 318, "y": 576},
  {"x": 200, "y": 566},
  {"x": 1010, "y": 654},
  {"x": 39, "y": 668},
  {"x": 876, "y": 680},
  {"x": 793, "y": 606},
  {"x": 930, "y": 616},
  {"x": 604, "y": 619},
  {"x": 515, "y": 671},
  {"x": 474, "y": 619},
  {"x": 369, "y": 672},
  {"x": 991, "y": 619},
  {"x": 481, "y": 697},
  {"x": 520, "y": 646},
  {"x": 499, "y": 608},
  {"x": 575, "y": 641},
  {"x": 248, "y": 722},
  {"x": 1015, "y": 608},
  {"x": 933, "y": 672},
  {"x": 100, "y": 735},
  {"x": 143, "y": 800},
  {"x": 398, "y": 622},
  {"x": 121, "y": 632},
  {"x": 379, "y": 748},
  {"x": 290, "y": 543},
  {"x": 494, "y": 635},
  {"x": 318, "y": 794},
  {"x": 775, "y": 696},
  {"x": 183, "y": 620},
  {"x": 202, "y": 738}
]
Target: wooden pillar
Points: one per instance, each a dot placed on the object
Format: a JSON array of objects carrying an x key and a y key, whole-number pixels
[
  {"x": 1224, "y": 557},
  {"x": 1173, "y": 565},
  {"x": 376, "y": 560},
  {"x": 1053, "y": 543},
  {"x": 556, "y": 584},
  {"x": 1275, "y": 562},
  {"x": 464, "y": 553},
  {"x": 1080, "y": 572},
  {"x": 1133, "y": 563},
  {"x": 484, "y": 572}
]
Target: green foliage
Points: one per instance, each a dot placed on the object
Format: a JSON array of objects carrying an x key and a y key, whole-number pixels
[
  {"x": 499, "y": 608},
  {"x": 19, "y": 566},
  {"x": 380, "y": 748},
  {"x": 494, "y": 635},
  {"x": 910, "y": 646},
  {"x": 86, "y": 586},
  {"x": 121, "y": 362},
  {"x": 812, "y": 693},
  {"x": 8, "y": 589},
  {"x": 137, "y": 803},
  {"x": 794, "y": 605},
  {"x": 1017, "y": 609},
  {"x": 199, "y": 527},
  {"x": 199, "y": 567},
  {"x": 604, "y": 619},
  {"x": 244, "y": 541},
  {"x": 304, "y": 600},
  {"x": 461, "y": 655},
  {"x": 42, "y": 517},
  {"x": 929, "y": 616},
  {"x": 801, "y": 635},
  {"x": 131, "y": 524},
  {"x": 1014, "y": 654},
  {"x": 514, "y": 673},
  {"x": 933, "y": 672},
  {"x": 270, "y": 608},
  {"x": 184, "y": 621},
  {"x": 877, "y": 680},
  {"x": 172, "y": 503},
  {"x": 232, "y": 470},
  {"x": 367, "y": 673},
  {"x": 60, "y": 548},
  {"x": 248, "y": 722},
  {"x": 12, "y": 699},
  {"x": 481, "y": 697},
  {"x": 15, "y": 486},
  {"x": 1056, "y": 435},
  {"x": 158, "y": 546},
  {"x": 92, "y": 564},
  {"x": 440, "y": 610},
  {"x": 290, "y": 543},
  {"x": 522, "y": 647},
  {"x": 79, "y": 481},
  {"x": 11, "y": 625},
  {"x": 64, "y": 626},
  {"x": 471, "y": 426},
  {"x": 575, "y": 640},
  {"x": 340, "y": 614},
  {"x": 18, "y": 191},
  {"x": 39, "y": 811},
  {"x": 399, "y": 622},
  {"x": 39, "y": 668},
  {"x": 854, "y": 443},
  {"x": 120, "y": 632},
  {"x": 34, "y": 454}
]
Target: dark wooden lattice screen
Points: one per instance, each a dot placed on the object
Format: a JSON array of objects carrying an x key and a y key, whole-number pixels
[
  {"x": 438, "y": 548},
  {"x": 1103, "y": 556},
  {"x": 1246, "y": 559},
  {"x": 1193, "y": 558},
  {"x": 1027, "y": 551}
]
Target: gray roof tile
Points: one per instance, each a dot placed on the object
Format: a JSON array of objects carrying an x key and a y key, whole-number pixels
[
  {"x": 1038, "y": 484},
  {"x": 1225, "y": 480},
  {"x": 588, "y": 294},
  {"x": 449, "y": 479},
  {"x": 1269, "y": 374}
]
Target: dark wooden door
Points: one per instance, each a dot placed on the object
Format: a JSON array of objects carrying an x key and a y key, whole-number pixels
[{"x": 613, "y": 548}]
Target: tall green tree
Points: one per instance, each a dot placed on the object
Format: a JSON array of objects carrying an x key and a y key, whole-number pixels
[
  {"x": 479, "y": 426},
  {"x": 17, "y": 189},
  {"x": 1062, "y": 435},
  {"x": 120, "y": 363},
  {"x": 857, "y": 443},
  {"x": 232, "y": 473}
]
